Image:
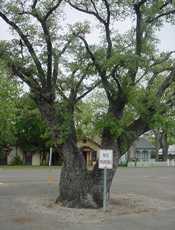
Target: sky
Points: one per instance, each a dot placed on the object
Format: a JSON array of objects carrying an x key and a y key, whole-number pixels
[{"x": 166, "y": 35}]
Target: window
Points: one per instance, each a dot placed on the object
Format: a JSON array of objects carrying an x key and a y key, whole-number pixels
[
  {"x": 94, "y": 156},
  {"x": 145, "y": 155},
  {"x": 138, "y": 155}
]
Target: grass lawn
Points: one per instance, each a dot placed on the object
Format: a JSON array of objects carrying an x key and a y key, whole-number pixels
[{"x": 7, "y": 167}]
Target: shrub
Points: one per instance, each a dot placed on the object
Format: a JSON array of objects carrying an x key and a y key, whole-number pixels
[{"x": 17, "y": 161}]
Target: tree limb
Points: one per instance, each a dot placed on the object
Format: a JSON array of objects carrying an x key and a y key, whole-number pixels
[
  {"x": 52, "y": 9},
  {"x": 25, "y": 75},
  {"x": 88, "y": 91},
  {"x": 151, "y": 20},
  {"x": 47, "y": 38},
  {"x": 34, "y": 4},
  {"x": 92, "y": 56},
  {"x": 139, "y": 31},
  {"x": 29, "y": 46},
  {"x": 132, "y": 132},
  {"x": 166, "y": 83},
  {"x": 94, "y": 13}
]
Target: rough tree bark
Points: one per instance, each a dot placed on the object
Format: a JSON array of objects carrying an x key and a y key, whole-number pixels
[
  {"x": 158, "y": 142},
  {"x": 74, "y": 179},
  {"x": 120, "y": 146},
  {"x": 108, "y": 142},
  {"x": 164, "y": 143}
]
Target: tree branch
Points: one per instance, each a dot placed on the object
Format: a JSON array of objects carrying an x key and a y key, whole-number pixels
[
  {"x": 34, "y": 4},
  {"x": 131, "y": 133},
  {"x": 96, "y": 14},
  {"x": 75, "y": 90},
  {"x": 166, "y": 83},
  {"x": 28, "y": 45},
  {"x": 25, "y": 75},
  {"x": 151, "y": 20},
  {"x": 113, "y": 75},
  {"x": 58, "y": 56},
  {"x": 107, "y": 29},
  {"x": 92, "y": 56},
  {"x": 139, "y": 31},
  {"x": 106, "y": 22},
  {"x": 61, "y": 90},
  {"x": 47, "y": 37},
  {"x": 52, "y": 9},
  {"x": 88, "y": 91}
]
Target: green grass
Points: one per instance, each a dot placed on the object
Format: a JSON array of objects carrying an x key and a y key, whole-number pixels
[{"x": 27, "y": 167}]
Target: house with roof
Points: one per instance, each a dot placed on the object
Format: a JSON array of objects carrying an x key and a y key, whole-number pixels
[
  {"x": 141, "y": 150},
  {"x": 88, "y": 147}
]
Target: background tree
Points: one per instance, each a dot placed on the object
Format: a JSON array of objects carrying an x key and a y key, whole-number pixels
[
  {"x": 9, "y": 94},
  {"x": 32, "y": 134},
  {"x": 88, "y": 115},
  {"x": 163, "y": 129}
]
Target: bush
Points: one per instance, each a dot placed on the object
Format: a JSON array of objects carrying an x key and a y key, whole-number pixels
[
  {"x": 17, "y": 161},
  {"x": 123, "y": 164}
]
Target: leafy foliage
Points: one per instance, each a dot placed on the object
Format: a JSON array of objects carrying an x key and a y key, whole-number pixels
[
  {"x": 9, "y": 94},
  {"x": 31, "y": 131}
]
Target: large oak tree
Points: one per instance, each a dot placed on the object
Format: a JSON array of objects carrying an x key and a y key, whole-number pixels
[{"x": 133, "y": 74}]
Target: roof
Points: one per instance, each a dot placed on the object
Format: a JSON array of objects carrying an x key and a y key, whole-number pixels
[
  {"x": 143, "y": 143},
  {"x": 85, "y": 140}
]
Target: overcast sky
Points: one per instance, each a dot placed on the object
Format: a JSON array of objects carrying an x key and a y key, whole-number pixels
[{"x": 166, "y": 35}]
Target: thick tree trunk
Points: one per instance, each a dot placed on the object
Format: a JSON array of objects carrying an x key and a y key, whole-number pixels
[
  {"x": 74, "y": 178},
  {"x": 108, "y": 142},
  {"x": 164, "y": 146},
  {"x": 49, "y": 113},
  {"x": 157, "y": 142}
]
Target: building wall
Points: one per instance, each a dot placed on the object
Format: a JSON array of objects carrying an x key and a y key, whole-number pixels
[
  {"x": 143, "y": 154},
  {"x": 16, "y": 151},
  {"x": 36, "y": 159},
  {"x": 91, "y": 145}
]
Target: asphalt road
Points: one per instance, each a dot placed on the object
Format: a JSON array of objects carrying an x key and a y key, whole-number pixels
[{"x": 157, "y": 184}]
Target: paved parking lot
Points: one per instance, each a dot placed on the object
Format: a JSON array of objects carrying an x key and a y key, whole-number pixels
[{"x": 20, "y": 190}]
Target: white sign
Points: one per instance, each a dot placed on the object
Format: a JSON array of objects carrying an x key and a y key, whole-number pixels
[{"x": 105, "y": 159}]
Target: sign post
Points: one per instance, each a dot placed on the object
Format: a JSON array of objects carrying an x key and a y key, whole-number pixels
[
  {"x": 50, "y": 177},
  {"x": 105, "y": 162},
  {"x": 50, "y": 157},
  {"x": 105, "y": 190}
]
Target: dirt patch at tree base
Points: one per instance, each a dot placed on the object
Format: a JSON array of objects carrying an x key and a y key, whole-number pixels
[
  {"x": 120, "y": 204},
  {"x": 22, "y": 220}
]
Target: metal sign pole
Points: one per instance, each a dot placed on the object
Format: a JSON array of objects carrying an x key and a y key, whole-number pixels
[
  {"x": 50, "y": 178},
  {"x": 105, "y": 190},
  {"x": 105, "y": 162},
  {"x": 50, "y": 157}
]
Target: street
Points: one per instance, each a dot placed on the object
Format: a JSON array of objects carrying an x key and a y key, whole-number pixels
[{"x": 142, "y": 199}]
